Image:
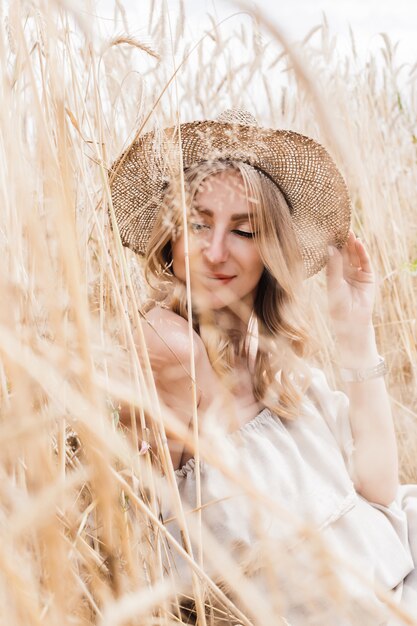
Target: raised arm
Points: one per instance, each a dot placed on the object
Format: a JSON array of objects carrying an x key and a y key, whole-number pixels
[{"x": 351, "y": 292}]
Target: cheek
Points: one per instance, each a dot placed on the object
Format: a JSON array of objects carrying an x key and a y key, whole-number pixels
[
  {"x": 254, "y": 262},
  {"x": 178, "y": 256},
  {"x": 178, "y": 259}
]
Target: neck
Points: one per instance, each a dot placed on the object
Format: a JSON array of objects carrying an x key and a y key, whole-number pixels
[{"x": 235, "y": 327}]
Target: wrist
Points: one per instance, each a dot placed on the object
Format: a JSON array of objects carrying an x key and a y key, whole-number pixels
[
  {"x": 361, "y": 374},
  {"x": 357, "y": 349},
  {"x": 344, "y": 331}
]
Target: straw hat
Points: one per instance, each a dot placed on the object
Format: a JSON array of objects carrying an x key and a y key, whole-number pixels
[{"x": 303, "y": 170}]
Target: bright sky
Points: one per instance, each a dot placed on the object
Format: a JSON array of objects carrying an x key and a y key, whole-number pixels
[{"x": 397, "y": 18}]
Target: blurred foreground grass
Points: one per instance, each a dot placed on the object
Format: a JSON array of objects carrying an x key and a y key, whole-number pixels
[{"x": 79, "y": 526}]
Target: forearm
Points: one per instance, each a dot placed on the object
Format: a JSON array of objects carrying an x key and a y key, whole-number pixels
[{"x": 375, "y": 458}]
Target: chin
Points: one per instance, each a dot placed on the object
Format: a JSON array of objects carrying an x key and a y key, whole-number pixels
[{"x": 212, "y": 302}]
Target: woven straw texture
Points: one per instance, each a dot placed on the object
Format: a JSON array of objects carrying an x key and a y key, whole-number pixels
[{"x": 302, "y": 168}]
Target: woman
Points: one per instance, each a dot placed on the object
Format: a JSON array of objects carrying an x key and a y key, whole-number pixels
[{"x": 264, "y": 210}]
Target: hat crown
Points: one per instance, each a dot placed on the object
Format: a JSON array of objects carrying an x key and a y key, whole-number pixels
[
  {"x": 300, "y": 167},
  {"x": 237, "y": 116}
]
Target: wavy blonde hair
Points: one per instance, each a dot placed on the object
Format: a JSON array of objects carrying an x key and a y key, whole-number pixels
[{"x": 280, "y": 376}]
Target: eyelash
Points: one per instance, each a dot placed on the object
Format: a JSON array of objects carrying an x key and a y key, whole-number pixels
[
  {"x": 244, "y": 233},
  {"x": 241, "y": 233}
]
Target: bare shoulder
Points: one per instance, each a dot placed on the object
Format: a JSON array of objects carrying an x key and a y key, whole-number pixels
[
  {"x": 168, "y": 346},
  {"x": 168, "y": 340}
]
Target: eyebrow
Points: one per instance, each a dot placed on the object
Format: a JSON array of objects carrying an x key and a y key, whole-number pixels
[{"x": 235, "y": 217}]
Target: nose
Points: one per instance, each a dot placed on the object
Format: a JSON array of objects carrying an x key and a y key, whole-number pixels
[{"x": 215, "y": 248}]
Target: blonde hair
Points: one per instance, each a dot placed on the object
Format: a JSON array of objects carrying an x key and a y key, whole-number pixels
[{"x": 280, "y": 375}]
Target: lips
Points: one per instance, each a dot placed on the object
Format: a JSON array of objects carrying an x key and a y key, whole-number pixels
[{"x": 223, "y": 278}]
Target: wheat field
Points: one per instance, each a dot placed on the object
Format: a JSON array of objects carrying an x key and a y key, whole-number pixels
[{"x": 82, "y": 542}]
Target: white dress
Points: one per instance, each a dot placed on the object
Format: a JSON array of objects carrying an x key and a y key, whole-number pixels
[{"x": 313, "y": 519}]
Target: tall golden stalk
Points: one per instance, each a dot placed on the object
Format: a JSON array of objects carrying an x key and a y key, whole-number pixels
[{"x": 82, "y": 540}]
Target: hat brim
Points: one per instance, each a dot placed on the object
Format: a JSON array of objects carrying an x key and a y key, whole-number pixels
[{"x": 302, "y": 168}]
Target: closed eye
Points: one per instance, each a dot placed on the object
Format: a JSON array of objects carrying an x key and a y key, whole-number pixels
[
  {"x": 243, "y": 233},
  {"x": 198, "y": 228}
]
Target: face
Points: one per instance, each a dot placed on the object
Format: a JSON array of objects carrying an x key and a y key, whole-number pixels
[{"x": 225, "y": 265}]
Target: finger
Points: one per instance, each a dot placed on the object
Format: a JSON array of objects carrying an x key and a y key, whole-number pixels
[
  {"x": 364, "y": 259},
  {"x": 347, "y": 265},
  {"x": 361, "y": 269},
  {"x": 354, "y": 257},
  {"x": 351, "y": 256},
  {"x": 334, "y": 268}
]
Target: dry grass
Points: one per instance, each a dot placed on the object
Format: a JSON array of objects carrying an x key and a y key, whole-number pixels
[{"x": 79, "y": 526}]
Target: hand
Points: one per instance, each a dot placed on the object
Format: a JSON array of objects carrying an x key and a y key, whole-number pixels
[{"x": 350, "y": 287}]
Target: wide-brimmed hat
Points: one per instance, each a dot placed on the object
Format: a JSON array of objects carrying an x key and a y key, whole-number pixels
[{"x": 302, "y": 169}]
